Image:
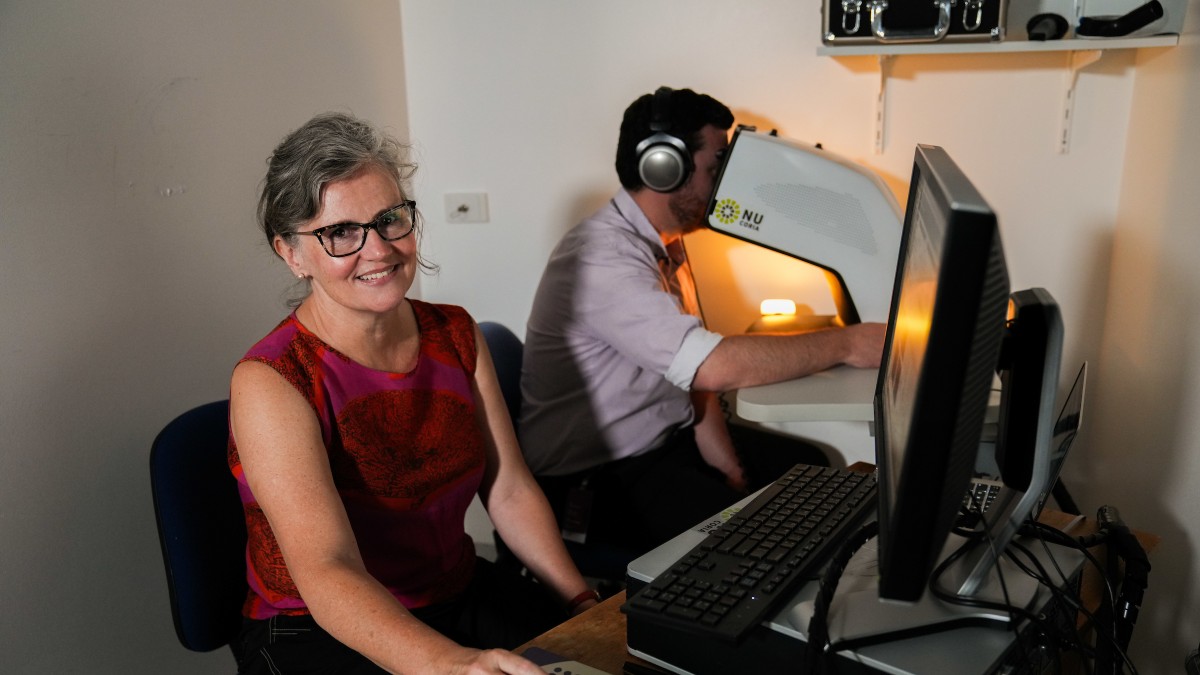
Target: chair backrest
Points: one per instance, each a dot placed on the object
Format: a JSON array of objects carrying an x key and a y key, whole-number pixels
[
  {"x": 201, "y": 526},
  {"x": 601, "y": 562},
  {"x": 507, "y": 352}
]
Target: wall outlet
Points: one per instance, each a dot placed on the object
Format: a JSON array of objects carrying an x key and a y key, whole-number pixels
[{"x": 466, "y": 207}]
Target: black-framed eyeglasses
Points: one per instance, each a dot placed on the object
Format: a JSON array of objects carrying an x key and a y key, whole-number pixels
[{"x": 343, "y": 239}]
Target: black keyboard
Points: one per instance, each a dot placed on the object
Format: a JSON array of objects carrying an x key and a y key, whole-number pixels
[
  {"x": 981, "y": 495},
  {"x": 756, "y": 561}
]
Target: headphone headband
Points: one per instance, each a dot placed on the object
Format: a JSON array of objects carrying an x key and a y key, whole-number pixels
[
  {"x": 663, "y": 160},
  {"x": 660, "y": 110}
]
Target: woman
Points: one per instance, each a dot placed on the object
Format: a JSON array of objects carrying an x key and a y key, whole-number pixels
[{"x": 362, "y": 426}]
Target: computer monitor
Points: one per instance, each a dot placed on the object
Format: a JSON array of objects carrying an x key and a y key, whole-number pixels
[
  {"x": 945, "y": 329},
  {"x": 1030, "y": 359},
  {"x": 1066, "y": 427},
  {"x": 1029, "y": 363}
]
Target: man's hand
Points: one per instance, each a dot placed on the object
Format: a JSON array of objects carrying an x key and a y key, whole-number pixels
[{"x": 865, "y": 344}]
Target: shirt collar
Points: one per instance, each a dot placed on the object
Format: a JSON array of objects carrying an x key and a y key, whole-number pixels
[{"x": 633, "y": 215}]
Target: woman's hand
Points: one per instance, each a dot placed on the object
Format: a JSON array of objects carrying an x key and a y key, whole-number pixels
[{"x": 489, "y": 662}]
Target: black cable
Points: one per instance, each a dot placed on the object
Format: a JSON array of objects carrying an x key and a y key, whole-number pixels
[
  {"x": 818, "y": 627},
  {"x": 975, "y": 536},
  {"x": 1014, "y": 612},
  {"x": 1137, "y": 572},
  {"x": 966, "y": 600},
  {"x": 1081, "y": 544},
  {"x": 1122, "y": 546},
  {"x": 1068, "y": 639},
  {"x": 1056, "y": 635},
  {"x": 1059, "y": 632},
  {"x": 1110, "y": 652},
  {"x": 1044, "y": 532},
  {"x": 1106, "y": 626},
  {"x": 1074, "y": 600},
  {"x": 1060, "y": 635}
]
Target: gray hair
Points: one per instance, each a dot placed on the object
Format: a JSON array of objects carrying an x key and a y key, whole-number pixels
[{"x": 328, "y": 148}]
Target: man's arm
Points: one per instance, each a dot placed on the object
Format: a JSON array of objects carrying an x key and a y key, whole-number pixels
[
  {"x": 750, "y": 360},
  {"x": 712, "y": 438}
]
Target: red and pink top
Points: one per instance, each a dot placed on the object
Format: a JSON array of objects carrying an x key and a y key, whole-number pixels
[{"x": 406, "y": 453}]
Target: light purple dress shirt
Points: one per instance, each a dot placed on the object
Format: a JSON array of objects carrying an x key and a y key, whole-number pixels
[{"x": 610, "y": 353}]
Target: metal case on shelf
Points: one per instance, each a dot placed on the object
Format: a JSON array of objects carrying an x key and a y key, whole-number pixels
[{"x": 856, "y": 22}]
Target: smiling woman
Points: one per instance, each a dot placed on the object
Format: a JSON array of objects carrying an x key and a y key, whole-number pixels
[
  {"x": 358, "y": 276},
  {"x": 361, "y": 428}
]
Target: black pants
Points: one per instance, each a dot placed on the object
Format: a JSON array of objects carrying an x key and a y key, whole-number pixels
[
  {"x": 499, "y": 609},
  {"x": 640, "y": 502}
]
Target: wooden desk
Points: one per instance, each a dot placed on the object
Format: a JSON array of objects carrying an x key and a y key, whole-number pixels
[{"x": 597, "y": 636}]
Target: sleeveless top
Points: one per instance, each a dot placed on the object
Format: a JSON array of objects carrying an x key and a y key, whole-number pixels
[{"x": 406, "y": 454}]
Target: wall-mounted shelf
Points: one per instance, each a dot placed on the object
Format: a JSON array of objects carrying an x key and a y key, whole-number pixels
[
  {"x": 1081, "y": 52},
  {"x": 1008, "y": 46}
]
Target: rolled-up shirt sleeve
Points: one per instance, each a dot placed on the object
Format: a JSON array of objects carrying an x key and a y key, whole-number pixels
[
  {"x": 623, "y": 302},
  {"x": 696, "y": 347},
  {"x": 610, "y": 353}
]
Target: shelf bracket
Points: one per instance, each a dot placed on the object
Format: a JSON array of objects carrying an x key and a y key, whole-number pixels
[
  {"x": 885, "y": 67},
  {"x": 1076, "y": 61}
]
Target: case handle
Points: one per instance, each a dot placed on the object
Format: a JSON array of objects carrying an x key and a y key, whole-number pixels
[
  {"x": 851, "y": 7},
  {"x": 969, "y": 25},
  {"x": 883, "y": 35}
]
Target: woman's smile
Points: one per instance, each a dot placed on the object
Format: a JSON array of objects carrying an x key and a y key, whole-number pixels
[{"x": 378, "y": 276}]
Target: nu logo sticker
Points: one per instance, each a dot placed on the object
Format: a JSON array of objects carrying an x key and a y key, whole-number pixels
[{"x": 729, "y": 211}]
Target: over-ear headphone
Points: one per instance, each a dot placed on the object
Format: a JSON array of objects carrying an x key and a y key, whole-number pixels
[{"x": 663, "y": 160}]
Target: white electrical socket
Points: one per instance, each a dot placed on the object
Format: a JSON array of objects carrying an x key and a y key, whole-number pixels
[{"x": 466, "y": 207}]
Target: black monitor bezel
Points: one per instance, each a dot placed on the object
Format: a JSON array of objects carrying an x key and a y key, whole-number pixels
[{"x": 919, "y": 500}]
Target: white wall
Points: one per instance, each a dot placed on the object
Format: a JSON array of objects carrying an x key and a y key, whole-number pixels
[
  {"x": 1145, "y": 451},
  {"x": 523, "y": 101},
  {"x": 125, "y": 303},
  {"x": 133, "y": 136}
]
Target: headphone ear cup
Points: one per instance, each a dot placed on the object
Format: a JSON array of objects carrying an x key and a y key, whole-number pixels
[{"x": 663, "y": 162}]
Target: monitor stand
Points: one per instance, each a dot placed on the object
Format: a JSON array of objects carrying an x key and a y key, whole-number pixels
[{"x": 857, "y": 617}]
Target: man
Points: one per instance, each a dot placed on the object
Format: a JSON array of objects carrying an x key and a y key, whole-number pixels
[{"x": 621, "y": 422}]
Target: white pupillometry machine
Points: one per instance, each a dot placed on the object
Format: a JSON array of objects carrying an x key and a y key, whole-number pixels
[{"x": 811, "y": 204}]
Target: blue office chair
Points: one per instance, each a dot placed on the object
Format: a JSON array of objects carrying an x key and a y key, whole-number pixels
[
  {"x": 507, "y": 355},
  {"x": 599, "y": 562},
  {"x": 200, "y": 526}
]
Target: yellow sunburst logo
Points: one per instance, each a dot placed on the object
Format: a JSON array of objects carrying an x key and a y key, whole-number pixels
[{"x": 728, "y": 211}]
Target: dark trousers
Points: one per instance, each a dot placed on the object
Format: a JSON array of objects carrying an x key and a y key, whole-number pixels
[
  {"x": 500, "y": 609},
  {"x": 640, "y": 502}
]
